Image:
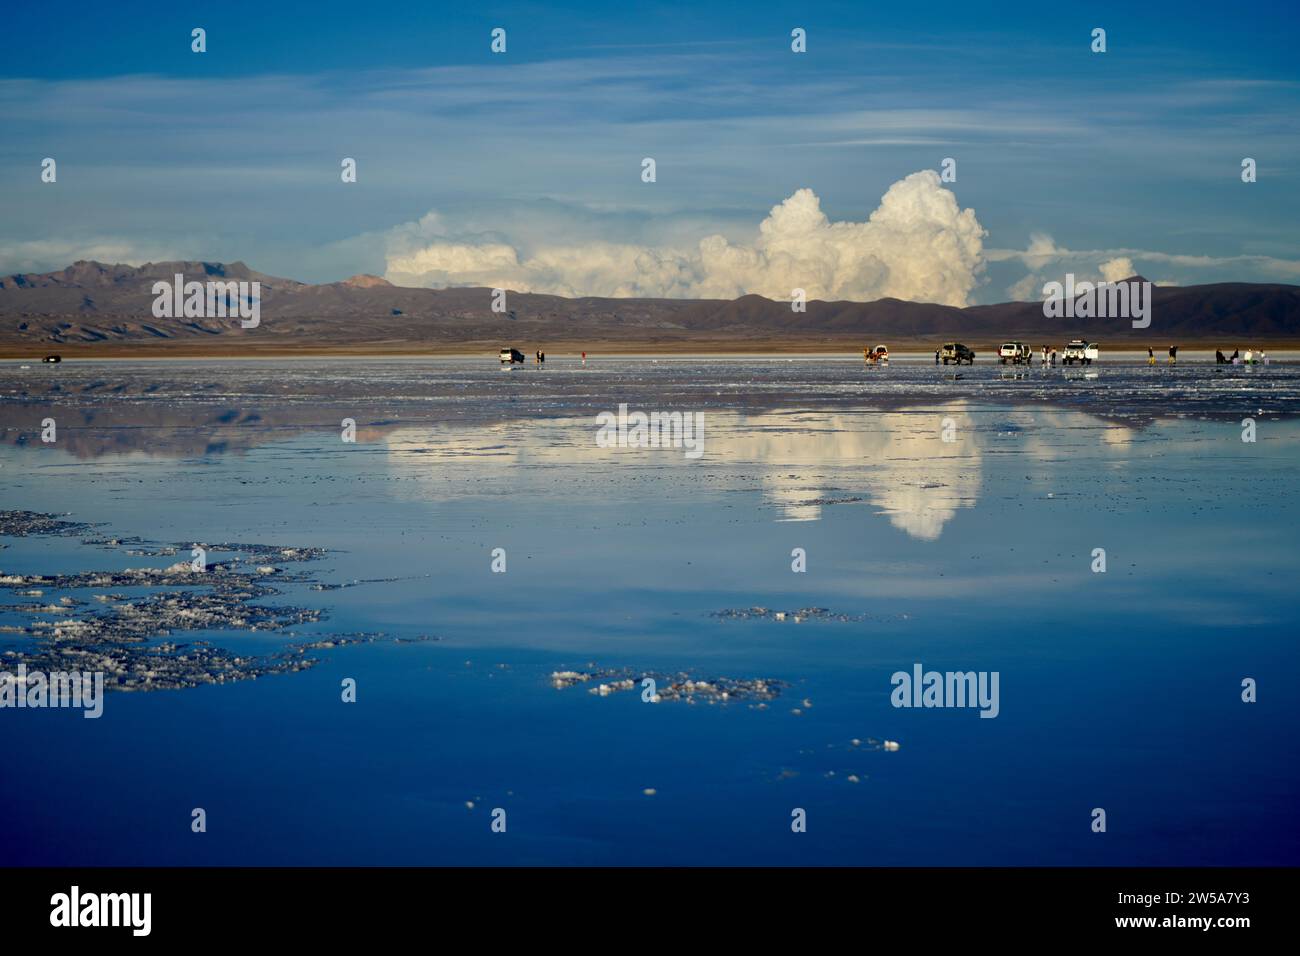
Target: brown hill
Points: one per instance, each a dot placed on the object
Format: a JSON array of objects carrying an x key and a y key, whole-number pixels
[{"x": 94, "y": 308}]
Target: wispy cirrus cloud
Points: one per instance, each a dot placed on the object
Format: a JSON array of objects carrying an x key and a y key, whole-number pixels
[
  {"x": 246, "y": 166},
  {"x": 49, "y": 255},
  {"x": 1049, "y": 262}
]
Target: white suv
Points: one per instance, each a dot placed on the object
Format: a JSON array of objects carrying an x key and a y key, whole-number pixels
[
  {"x": 1016, "y": 353},
  {"x": 1081, "y": 351}
]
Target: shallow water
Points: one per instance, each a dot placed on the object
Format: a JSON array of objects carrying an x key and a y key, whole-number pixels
[{"x": 1119, "y": 690}]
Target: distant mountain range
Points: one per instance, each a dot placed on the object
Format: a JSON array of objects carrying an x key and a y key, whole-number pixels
[{"x": 91, "y": 308}]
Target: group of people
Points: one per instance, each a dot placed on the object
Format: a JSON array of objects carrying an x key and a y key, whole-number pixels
[
  {"x": 1252, "y": 358},
  {"x": 539, "y": 358}
]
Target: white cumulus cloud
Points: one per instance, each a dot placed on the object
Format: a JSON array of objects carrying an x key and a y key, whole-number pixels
[
  {"x": 918, "y": 245},
  {"x": 1121, "y": 267}
]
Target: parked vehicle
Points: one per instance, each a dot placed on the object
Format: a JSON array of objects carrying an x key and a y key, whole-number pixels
[
  {"x": 511, "y": 357},
  {"x": 956, "y": 352},
  {"x": 1081, "y": 351},
  {"x": 1017, "y": 353}
]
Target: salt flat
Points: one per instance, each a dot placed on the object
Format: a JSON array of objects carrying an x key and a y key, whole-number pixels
[{"x": 947, "y": 521}]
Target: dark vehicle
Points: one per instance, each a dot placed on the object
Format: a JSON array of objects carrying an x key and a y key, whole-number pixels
[
  {"x": 53, "y": 358},
  {"x": 512, "y": 357},
  {"x": 956, "y": 352}
]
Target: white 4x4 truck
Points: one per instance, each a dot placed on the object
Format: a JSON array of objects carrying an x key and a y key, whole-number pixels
[
  {"x": 1081, "y": 351},
  {"x": 1017, "y": 353}
]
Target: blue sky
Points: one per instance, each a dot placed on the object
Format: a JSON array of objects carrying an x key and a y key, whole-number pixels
[{"x": 525, "y": 167}]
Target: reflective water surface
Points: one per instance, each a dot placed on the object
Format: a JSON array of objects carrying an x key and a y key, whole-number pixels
[{"x": 947, "y": 521}]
